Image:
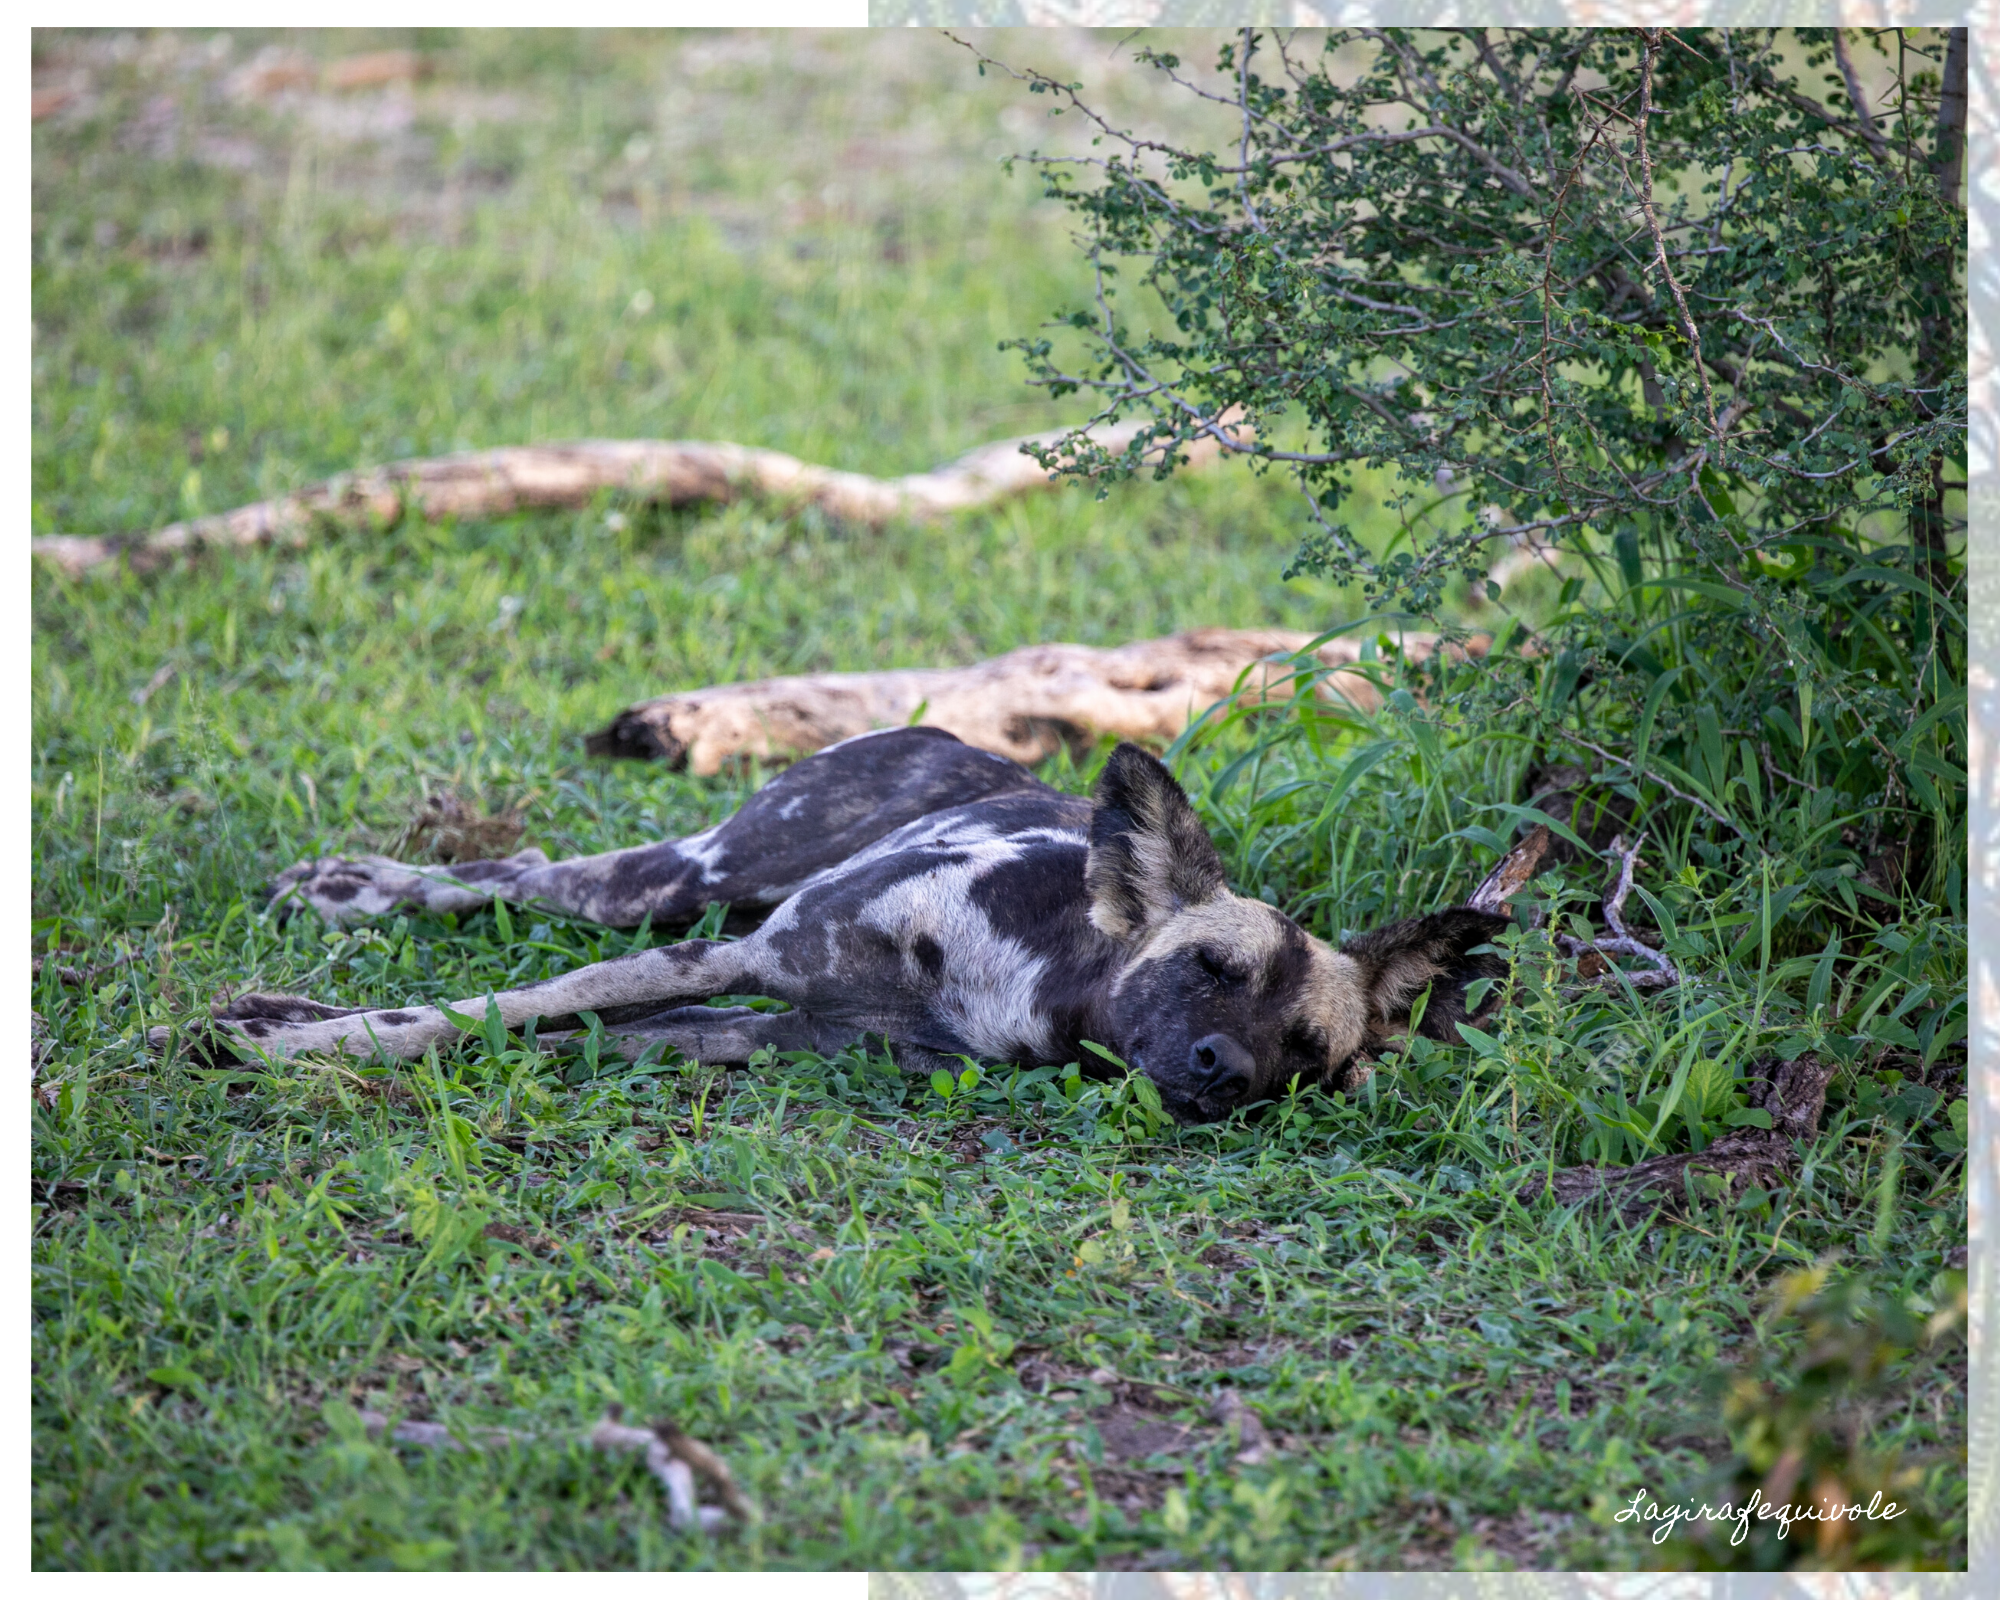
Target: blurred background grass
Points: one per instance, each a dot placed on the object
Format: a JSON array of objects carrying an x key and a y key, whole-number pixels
[{"x": 248, "y": 276}]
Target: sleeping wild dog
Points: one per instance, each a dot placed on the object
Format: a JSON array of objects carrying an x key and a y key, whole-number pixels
[{"x": 942, "y": 900}]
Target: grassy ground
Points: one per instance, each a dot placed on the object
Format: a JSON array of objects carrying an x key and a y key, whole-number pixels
[{"x": 964, "y": 1331}]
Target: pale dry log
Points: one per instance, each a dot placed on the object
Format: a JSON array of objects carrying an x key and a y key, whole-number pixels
[
  {"x": 1511, "y": 873},
  {"x": 1024, "y": 705},
  {"x": 492, "y": 483}
]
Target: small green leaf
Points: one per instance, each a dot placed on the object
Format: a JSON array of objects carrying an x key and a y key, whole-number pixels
[
  {"x": 1480, "y": 1040},
  {"x": 943, "y": 1083},
  {"x": 458, "y": 1019}
]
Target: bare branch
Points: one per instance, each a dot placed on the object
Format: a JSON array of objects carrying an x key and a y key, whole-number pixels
[
  {"x": 1870, "y": 135},
  {"x": 1621, "y": 943},
  {"x": 1700, "y": 805}
]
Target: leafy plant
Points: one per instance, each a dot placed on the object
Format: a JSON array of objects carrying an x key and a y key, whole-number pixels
[
  {"x": 1677, "y": 314},
  {"x": 1797, "y": 1415}
]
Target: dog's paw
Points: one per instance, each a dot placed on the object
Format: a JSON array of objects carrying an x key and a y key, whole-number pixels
[
  {"x": 344, "y": 889},
  {"x": 250, "y": 1025},
  {"x": 249, "y": 1010},
  {"x": 203, "y": 1044}
]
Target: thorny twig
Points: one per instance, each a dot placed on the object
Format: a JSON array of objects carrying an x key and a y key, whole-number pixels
[
  {"x": 1700, "y": 805},
  {"x": 1548, "y": 273},
  {"x": 671, "y": 1456}
]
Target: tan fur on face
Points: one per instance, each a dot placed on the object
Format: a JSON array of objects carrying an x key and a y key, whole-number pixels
[
  {"x": 1248, "y": 929},
  {"x": 1334, "y": 996}
]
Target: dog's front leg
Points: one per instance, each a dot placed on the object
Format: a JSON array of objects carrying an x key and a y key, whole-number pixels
[
  {"x": 718, "y": 1035},
  {"x": 643, "y": 982},
  {"x": 731, "y": 1035}
]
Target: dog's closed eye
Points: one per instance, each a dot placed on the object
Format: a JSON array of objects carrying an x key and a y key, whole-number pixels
[{"x": 1221, "y": 968}]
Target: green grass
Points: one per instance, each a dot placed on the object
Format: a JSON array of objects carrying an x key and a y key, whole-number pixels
[{"x": 964, "y": 1327}]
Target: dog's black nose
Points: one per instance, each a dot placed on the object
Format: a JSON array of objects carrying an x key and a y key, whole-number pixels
[{"x": 1219, "y": 1064}]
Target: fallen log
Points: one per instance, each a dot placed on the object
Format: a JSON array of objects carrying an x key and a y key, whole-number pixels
[
  {"x": 492, "y": 483},
  {"x": 1024, "y": 705}
]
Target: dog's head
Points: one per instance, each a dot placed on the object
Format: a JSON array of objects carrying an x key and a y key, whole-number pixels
[{"x": 1223, "y": 1000}]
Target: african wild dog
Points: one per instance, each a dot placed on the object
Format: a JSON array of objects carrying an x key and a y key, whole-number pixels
[{"x": 943, "y": 899}]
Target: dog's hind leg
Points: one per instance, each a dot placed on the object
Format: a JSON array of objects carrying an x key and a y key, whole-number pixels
[
  {"x": 814, "y": 815},
  {"x": 344, "y": 889}
]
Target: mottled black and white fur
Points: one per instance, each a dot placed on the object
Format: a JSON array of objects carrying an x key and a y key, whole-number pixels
[{"x": 943, "y": 900}]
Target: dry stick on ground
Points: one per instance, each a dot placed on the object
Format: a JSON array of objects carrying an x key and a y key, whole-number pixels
[
  {"x": 1791, "y": 1093},
  {"x": 1621, "y": 942},
  {"x": 83, "y": 977},
  {"x": 491, "y": 483},
  {"x": 671, "y": 1456},
  {"x": 1024, "y": 705}
]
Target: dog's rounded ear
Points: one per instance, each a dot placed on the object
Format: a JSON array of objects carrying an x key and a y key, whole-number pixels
[
  {"x": 1400, "y": 960},
  {"x": 1149, "y": 854}
]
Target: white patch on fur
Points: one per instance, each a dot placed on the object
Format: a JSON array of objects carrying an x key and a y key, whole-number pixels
[
  {"x": 856, "y": 738},
  {"x": 1336, "y": 998},
  {"x": 948, "y": 831},
  {"x": 986, "y": 991},
  {"x": 702, "y": 850}
]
